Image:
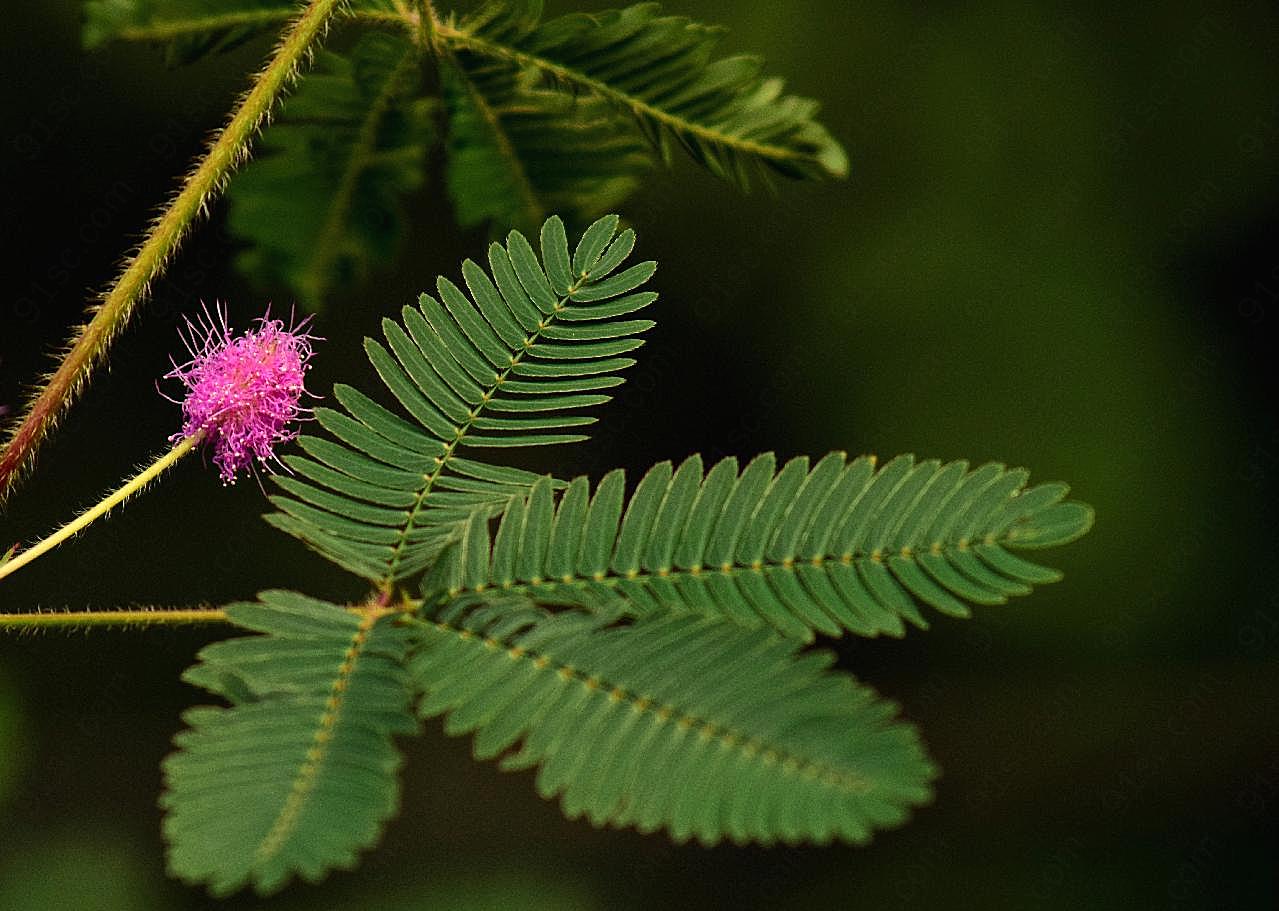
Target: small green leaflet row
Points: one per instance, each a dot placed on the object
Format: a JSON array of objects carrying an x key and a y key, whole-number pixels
[
  {"x": 804, "y": 549},
  {"x": 671, "y": 721},
  {"x": 299, "y": 772},
  {"x": 512, "y": 361}
]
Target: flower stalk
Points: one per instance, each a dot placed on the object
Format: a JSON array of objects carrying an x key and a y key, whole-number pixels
[
  {"x": 142, "y": 616},
  {"x": 227, "y": 150},
  {"x": 35, "y": 621},
  {"x": 132, "y": 487},
  {"x": 243, "y": 396}
]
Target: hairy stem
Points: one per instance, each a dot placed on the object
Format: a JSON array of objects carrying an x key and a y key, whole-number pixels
[
  {"x": 156, "y": 616},
  {"x": 134, "y": 485},
  {"x": 428, "y": 24},
  {"x": 142, "y": 616},
  {"x": 227, "y": 150}
]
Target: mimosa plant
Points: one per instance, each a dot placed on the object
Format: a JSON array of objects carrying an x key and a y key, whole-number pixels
[{"x": 646, "y": 649}]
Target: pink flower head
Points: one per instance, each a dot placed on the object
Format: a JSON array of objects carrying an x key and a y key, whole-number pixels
[{"x": 243, "y": 393}]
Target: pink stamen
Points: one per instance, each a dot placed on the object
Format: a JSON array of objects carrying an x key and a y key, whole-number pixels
[{"x": 243, "y": 393}]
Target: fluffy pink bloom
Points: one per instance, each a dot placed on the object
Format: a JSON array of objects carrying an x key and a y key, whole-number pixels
[{"x": 244, "y": 393}]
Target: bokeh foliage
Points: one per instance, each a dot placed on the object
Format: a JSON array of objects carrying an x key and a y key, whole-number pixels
[{"x": 542, "y": 115}]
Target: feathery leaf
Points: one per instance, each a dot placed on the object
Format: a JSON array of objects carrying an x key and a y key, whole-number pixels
[
  {"x": 190, "y": 29},
  {"x": 321, "y": 203},
  {"x": 299, "y": 773},
  {"x": 517, "y": 151},
  {"x": 831, "y": 547},
  {"x": 511, "y": 363},
  {"x": 672, "y": 721},
  {"x": 660, "y": 71}
]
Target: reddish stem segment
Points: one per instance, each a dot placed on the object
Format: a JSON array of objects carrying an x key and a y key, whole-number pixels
[{"x": 226, "y": 151}]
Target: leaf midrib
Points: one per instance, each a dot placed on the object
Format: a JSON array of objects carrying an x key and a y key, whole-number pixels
[
  {"x": 462, "y": 428},
  {"x": 286, "y": 821},
  {"x": 731, "y": 570},
  {"x": 466, "y": 40}
]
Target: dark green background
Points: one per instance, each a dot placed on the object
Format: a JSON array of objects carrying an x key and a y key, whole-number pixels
[{"x": 1057, "y": 249}]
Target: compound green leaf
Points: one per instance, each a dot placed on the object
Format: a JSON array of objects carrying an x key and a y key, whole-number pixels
[
  {"x": 299, "y": 772},
  {"x": 673, "y": 721},
  {"x": 804, "y": 549}
]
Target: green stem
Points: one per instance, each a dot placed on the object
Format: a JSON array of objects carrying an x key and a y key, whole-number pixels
[
  {"x": 228, "y": 149},
  {"x": 159, "y": 616},
  {"x": 133, "y": 486},
  {"x": 170, "y": 29},
  {"x": 143, "y": 616},
  {"x": 428, "y": 25}
]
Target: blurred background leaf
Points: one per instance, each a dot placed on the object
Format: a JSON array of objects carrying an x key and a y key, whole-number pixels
[
  {"x": 89, "y": 867},
  {"x": 557, "y": 114},
  {"x": 668, "y": 75},
  {"x": 188, "y": 29},
  {"x": 321, "y": 201},
  {"x": 517, "y": 153}
]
